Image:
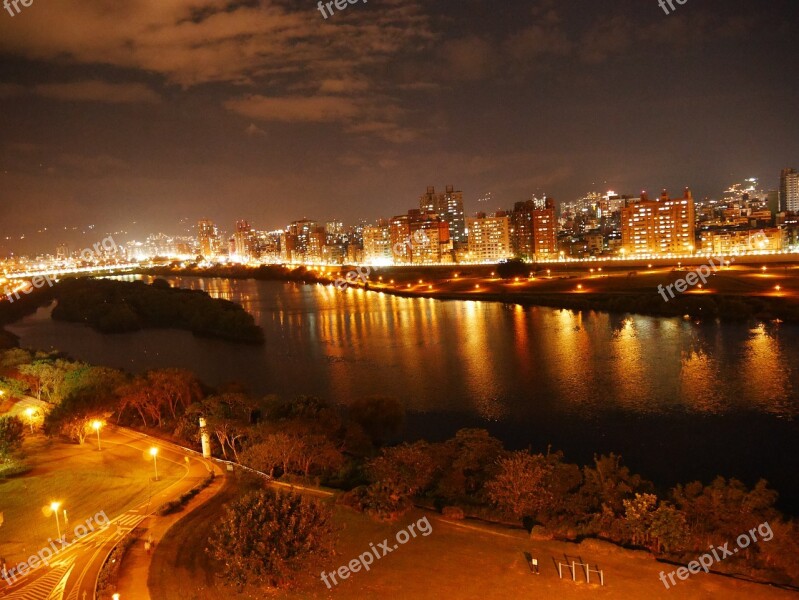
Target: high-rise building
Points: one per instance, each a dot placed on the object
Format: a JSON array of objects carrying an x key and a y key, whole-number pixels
[
  {"x": 789, "y": 190},
  {"x": 773, "y": 201},
  {"x": 545, "y": 231},
  {"x": 208, "y": 239},
  {"x": 301, "y": 230},
  {"x": 521, "y": 230},
  {"x": 377, "y": 244},
  {"x": 662, "y": 226},
  {"x": 243, "y": 241},
  {"x": 489, "y": 238},
  {"x": 406, "y": 231},
  {"x": 317, "y": 240},
  {"x": 449, "y": 206}
]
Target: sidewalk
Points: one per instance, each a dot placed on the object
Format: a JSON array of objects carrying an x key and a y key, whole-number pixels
[{"x": 135, "y": 569}]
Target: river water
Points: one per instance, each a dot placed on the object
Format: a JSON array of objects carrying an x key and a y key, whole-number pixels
[{"x": 678, "y": 400}]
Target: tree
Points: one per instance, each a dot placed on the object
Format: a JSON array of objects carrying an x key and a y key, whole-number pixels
[
  {"x": 520, "y": 489},
  {"x": 77, "y": 427},
  {"x": 723, "y": 509},
  {"x": 668, "y": 530},
  {"x": 227, "y": 417},
  {"x": 317, "y": 451},
  {"x": 266, "y": 537},
  {"x": 174, "y": 388},
  {"x": 397, "y": 475},
  {"x": 11, "y": 435},
  {"x": 469, "y": 462},
  {"x": 137, "y": 395},
  {"x": 638, "y": 515}
]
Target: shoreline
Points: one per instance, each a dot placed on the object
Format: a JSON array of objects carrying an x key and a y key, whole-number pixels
[{"x": 738, "y": 293}]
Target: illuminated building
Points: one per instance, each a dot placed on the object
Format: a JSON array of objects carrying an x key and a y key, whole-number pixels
[
  {"x": 739, "y": 241},
  {"x": 545, "y": 231},
  {"x": 662, "y": 226},
  {"x": 521, "y": 230},
  {"x": 789, "y": 190},
  {"x": 301, "y": 232},
  {"x": 449, "y": 206},
  {"x": 208, "y": 239},
  {"x": 243, "y": 241},
  {"x": 377, "y": 244},
  {"x": 406, "y": 230},
  {"x": 316, "y": 245},
  {"x": 489, "y": 238}
]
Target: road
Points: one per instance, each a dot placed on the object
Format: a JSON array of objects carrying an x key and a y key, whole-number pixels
[{"x": 72, "y": 572}]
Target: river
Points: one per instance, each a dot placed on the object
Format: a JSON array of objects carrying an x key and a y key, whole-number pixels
[{"x": 679, "y": 400}]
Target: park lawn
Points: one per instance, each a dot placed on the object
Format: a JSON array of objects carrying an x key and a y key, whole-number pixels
[
  {"x": 461, "y": 560},
  {"x": 84, "y": 480}
]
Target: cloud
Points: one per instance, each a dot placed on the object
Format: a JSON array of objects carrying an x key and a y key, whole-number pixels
[
  {"x": 343, "y": 86},
  {"x": 98, "y": 91},
  {"x": 10, "y": 90},
  {"x": 254, "y": 131},
  {"x": 318, "y": 109},
  {"x": 467, "y": 59}
]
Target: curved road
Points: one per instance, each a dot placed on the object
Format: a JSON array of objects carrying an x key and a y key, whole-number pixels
[{"x": 72, "y": 573}]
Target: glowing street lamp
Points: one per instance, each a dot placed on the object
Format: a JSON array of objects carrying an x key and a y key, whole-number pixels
[
  {"x": 97, "y": 425},
  {"x": 30, "y": 412},
  {"x": 154, "y": 454},
  {"x": 55, "y": 506}
]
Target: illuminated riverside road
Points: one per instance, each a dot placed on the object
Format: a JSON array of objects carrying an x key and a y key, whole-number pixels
[{"x": 73, "y": 572}]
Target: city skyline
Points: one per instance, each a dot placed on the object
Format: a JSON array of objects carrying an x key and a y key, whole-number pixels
[
  {"x": 517, "y": 100},
  {"x": 15, "y": 245}
]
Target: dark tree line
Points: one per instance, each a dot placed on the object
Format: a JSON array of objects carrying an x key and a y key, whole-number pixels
[{"x": 121, "y": 306}]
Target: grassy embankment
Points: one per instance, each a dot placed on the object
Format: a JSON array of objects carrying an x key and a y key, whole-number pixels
[
  {"x": 84, "y": 480},
  {"x": 459, "y": 560}
]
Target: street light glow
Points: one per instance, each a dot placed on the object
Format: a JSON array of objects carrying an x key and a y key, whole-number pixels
[
  {"x": 153, "y": 451},
  {"x": 55, "y": 505}
]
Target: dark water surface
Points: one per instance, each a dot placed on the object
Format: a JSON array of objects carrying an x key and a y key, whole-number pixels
[{"x": 678, "y": 400}]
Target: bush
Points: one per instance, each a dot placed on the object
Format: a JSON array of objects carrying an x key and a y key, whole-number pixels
[
  {"x": 453, "y": 512},
  {"x": 266, "y": 537},
  {"x": 169, "y": 508}
]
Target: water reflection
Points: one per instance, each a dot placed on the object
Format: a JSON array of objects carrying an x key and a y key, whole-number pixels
[{"x": 495, "y": 362}]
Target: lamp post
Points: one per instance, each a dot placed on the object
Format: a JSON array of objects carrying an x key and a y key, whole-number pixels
[
  {"x": 30, "y": 412},
  {"x": 154, "y": 454},
  {"x": 55, "y": 506},
  {"x": 97, "y": 425}
]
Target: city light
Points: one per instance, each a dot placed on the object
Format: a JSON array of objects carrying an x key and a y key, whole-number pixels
[
  {"x": 30, "y": 412},
  {"x": 97, "y": 425},
  {"x": 54, "y": 506},
  {"x": 154, "y": 454}
]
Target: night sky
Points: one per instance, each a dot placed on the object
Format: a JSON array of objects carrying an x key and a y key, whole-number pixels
[{"x": 134, "y": 115}]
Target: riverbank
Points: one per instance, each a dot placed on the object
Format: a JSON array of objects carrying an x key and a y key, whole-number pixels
[{"x": 759, "y": 289}]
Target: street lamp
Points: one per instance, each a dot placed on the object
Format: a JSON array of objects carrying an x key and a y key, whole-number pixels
[
  {"x": 154, "y": 454},
  {"x": 55, "y": 506},
  {"x": 96, "y": 425},
  {"x": 30, "y": 412}
]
